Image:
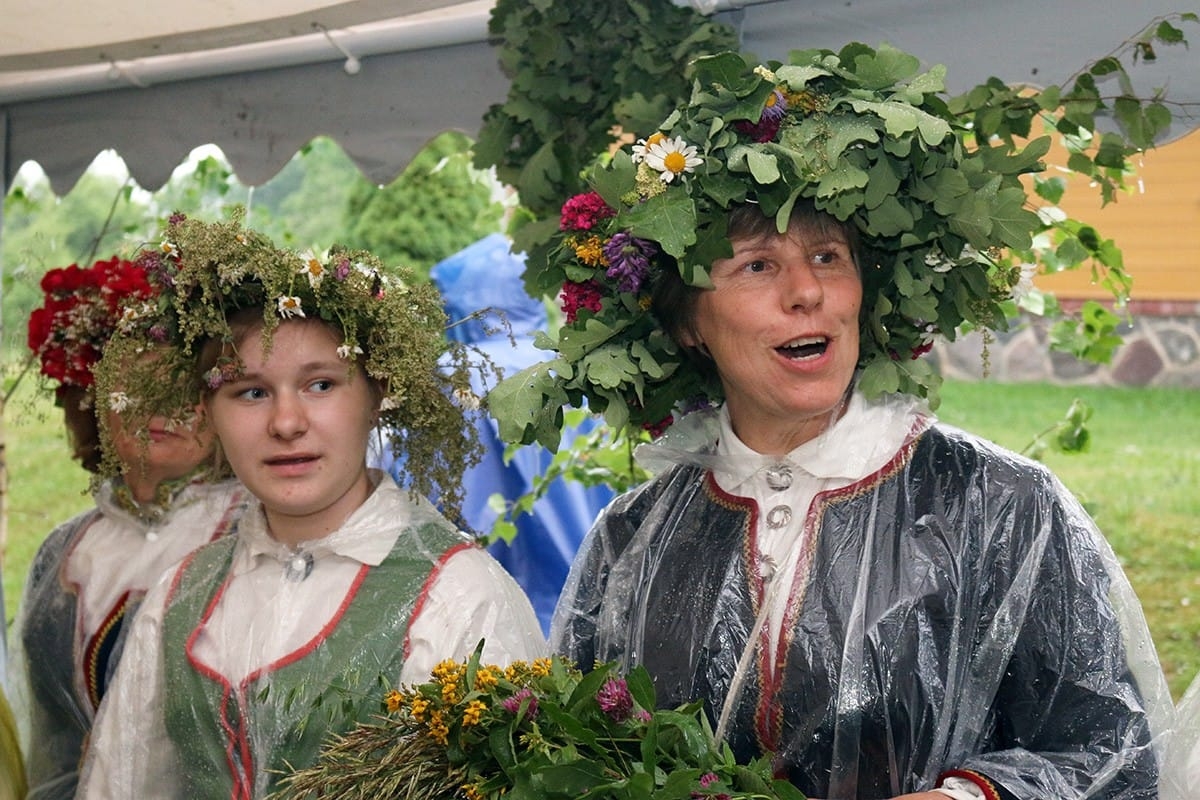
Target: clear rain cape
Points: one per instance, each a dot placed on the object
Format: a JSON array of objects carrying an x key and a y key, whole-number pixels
[{"x": 956, "y": 609}]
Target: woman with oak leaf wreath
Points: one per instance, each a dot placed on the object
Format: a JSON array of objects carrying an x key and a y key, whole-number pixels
[{"x": 890, "y": 607}]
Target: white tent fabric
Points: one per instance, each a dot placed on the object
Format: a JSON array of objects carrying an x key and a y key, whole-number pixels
[{"x": 261, "y": 79}]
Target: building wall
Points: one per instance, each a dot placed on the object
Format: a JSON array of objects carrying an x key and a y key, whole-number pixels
[{"x": 1157, "y": 228}]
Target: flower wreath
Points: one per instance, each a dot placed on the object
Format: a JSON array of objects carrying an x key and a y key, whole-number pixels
[
  {"x": 860, "y": 134},
  {"x": 81, "y": 308},
  {"x": 390, "y": 323}
]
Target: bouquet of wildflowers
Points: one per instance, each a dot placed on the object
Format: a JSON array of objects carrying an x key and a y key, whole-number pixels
[{"x": 542, "y": 729}]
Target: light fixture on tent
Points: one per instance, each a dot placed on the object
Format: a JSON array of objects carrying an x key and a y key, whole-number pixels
[
  {"x": 352, "y": 65},
  {"x": 117, "y": 73}
]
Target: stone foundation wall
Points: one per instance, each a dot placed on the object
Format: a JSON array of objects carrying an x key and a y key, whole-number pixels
[{"x": 1161, "y": 348}]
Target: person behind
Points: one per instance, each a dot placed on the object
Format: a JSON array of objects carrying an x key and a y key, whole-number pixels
[
  {"x": 888, "y": 606},
  {"x": 490, "y": 311},
  {"x": 340, "y": 584},
  {"x": 158, "y": 499}
]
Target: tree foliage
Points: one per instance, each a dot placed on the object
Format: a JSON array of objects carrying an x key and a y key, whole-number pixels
[{"x": 438, "y": 205}]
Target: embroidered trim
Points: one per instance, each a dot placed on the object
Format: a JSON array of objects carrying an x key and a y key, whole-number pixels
[
  {"x": 989, "y": 789},
  {"x": 99, "y": 649},
  {"x": 768, "y": 714}
]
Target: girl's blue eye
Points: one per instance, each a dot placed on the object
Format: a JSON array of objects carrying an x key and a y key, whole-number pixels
[
  {"x": 253, "y": 393},
  {"x": 322, "y": 385},
  {"x": 756, "y": 266}
]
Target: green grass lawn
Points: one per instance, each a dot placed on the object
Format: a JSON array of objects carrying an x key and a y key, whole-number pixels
[{"x": 1140, "y": 479}]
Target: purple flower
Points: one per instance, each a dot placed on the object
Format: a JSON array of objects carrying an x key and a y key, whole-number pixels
[
  {"x": 343, "y": 269},
  {"x": 769, "y": 121},
  {"x": 775, "y": 108},
  {"x": 615, "y": 700},
  {"x": 708, "y": 779},
  {"x": 513, "y": 703},
  {"x": 158, "y": 333},
  {"x": 628, "y": 260}
]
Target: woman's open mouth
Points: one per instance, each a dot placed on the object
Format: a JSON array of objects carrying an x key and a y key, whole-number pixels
[{"x": 804, "y": 347}]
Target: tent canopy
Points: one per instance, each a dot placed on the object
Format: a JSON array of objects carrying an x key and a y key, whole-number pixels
[{"x": 384, "y": 77}]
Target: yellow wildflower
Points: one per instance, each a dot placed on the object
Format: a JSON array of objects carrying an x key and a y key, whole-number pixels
[
  {"x": 473, "y": 713},
  {"x": 808, "y": 100},
  {"x": 394, "y": 701},
  {"x": 487, "y": 677},
  {"x": 447, "y": 671},
  {"x": 438, "y": 728},
  {"x": 540, "y": 667},
  {"x": 591, "y": 252},
  {"x": 418, "y": 707},
  {"x": 471, "y": 792}
]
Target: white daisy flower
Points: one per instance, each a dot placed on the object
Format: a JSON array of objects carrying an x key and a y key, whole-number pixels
[
  {"x": 168, "y": 248},
  {"x": 290, "y": 307},
  {"x": 119, "y": 401},
  {"x": 639, "y": 149},
  {"x": 311, "y": 268},
  {"x": 388, "y": 403},
  {"x": 345, "y": 351},
  {"x": 672, "y": 158}
]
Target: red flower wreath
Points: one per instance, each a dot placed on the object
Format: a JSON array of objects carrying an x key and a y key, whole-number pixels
[{"x": 81, "y": 310}]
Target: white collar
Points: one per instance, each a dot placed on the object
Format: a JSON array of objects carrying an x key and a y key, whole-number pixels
[
  {"x": 865, "y": 438},
  {"x": 367, "y": 535}
]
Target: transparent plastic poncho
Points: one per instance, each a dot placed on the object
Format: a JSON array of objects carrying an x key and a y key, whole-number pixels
[
  {"x": 248, "y": 658},
  {"x": 1181, "y": 779},
  {"x": 77, "y": 605},
  {"x": 954, "y": 608}
]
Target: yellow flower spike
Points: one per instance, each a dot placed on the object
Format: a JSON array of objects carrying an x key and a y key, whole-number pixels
[
  {"x": 394, "y": 700},
  {"x": 418, "y": 708},
  {"x": 473, "y": 713},
  {"x": 540, "y": 667},
  {"x": 445, "y": 670},
  {"x": 487, "y": 677},
  {"x": 591, "y": 252}
]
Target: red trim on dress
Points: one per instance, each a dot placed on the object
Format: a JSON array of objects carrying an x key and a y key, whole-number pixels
[
  {"x": 426, "y": 587},
  {"x": 768, "y": 714},
  {"x": 236, "y": 738}
]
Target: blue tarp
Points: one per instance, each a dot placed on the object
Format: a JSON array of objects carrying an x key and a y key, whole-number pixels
[{"x": 486, "y": 275}]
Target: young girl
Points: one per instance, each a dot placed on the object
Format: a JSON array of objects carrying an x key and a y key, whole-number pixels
[
  {"x": 339, "y": 584},
  {"x": 160, "y": 500}
]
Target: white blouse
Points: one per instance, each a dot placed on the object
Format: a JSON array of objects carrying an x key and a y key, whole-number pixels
[
  {"x": 267, "y": 612},
  {"x": 861, "y": 442}
]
